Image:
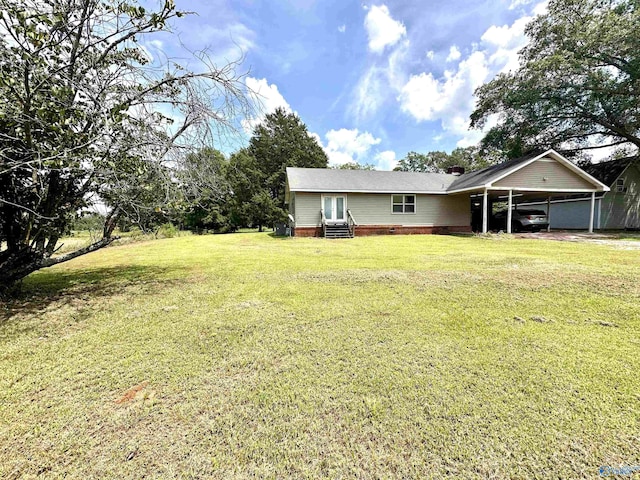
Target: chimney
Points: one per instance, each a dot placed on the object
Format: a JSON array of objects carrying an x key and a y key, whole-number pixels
[{"x": 455, "y": 170}]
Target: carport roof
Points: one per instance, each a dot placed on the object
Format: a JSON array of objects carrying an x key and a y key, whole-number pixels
[{"x": 487, "y": 176}]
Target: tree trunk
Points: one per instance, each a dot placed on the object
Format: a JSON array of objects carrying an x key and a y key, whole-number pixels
[{"x": 17, "y": 264}]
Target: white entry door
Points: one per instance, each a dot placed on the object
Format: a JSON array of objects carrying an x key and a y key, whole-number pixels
[{"x": 335, "y": 208}]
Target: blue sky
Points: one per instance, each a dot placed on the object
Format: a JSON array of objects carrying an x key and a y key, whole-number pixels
[{"x": 372, "y": 81}]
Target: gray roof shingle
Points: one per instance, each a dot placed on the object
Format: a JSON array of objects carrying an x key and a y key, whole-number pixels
[
  {"x": 608, "y": 172},
  {"x": 333, "y": 180}
]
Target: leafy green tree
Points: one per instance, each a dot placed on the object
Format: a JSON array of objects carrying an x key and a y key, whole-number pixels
[
  {"x": 206, "y": 190},
  {"x": 422, "y": 162},
  {"x": 282, "y": 141},
  {"x": 470, "y": 158},
  {"x": 355, "y": 166},
  {"x": 250, "y": 203},
  {"x": 79, "y": 117},
  {"x": 578, "y": 86}
]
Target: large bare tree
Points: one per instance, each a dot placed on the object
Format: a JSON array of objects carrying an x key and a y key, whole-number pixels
[{"x": 86, "y": 114}]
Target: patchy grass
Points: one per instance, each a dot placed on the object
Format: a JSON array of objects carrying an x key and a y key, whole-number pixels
[
  {"x": 245, "y": 355},
  {"x": 82, "y": 238}
]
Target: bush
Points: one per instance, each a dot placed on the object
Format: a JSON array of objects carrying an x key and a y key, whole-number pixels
[{"x": 167, "y": 230}]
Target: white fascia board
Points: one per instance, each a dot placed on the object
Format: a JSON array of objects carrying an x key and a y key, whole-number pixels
[
  {"x": 468, "y": 189},
  {"x": 556, "y": 156},
  {"x": 557, "y": 190},
  {"x": 386, "y": 192}
]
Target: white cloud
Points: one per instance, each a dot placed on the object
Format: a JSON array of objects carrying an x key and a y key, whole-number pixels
[
  {"x": 506, "y": 36},
  {"x": 454, "y": 54},
  {"x": 448, "y": 98},
  {"x": 344, "y": 146},
  {"x": 386, "y": 160},
  {"x": 383, "y": 31},
  {"x": 519, "y": 3},
  {"x": 426, "y": 98},
  {"x": 268, "y": 99},
  {"x": 431, "y": 54},
  {"x": 541, "y": 8},
  {"x": 342, "y": 28},
  {"x": 370, "y": 94},
  {"x": 228, "y": 43},
  {"x": 380, "y": 83}
]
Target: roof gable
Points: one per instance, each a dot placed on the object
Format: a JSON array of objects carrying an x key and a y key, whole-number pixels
[
  {"x": 607, "y": 172},
  {"x": 487, "y": 177},
  {"x": 480, "y": 178}
]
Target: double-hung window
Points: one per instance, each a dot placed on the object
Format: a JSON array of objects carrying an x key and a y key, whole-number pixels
[
  {"x": 620, "y": 185},
  {"x": 403, "y": 204}
]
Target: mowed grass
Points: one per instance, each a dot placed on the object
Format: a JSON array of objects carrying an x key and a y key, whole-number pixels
[{"x": 249, "y": 356}]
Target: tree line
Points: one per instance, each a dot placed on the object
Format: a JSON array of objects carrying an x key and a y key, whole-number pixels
[{"x": 215, "y": 193}]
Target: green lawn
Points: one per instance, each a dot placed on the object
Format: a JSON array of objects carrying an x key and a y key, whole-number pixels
[{"x": 244, "y": 355}]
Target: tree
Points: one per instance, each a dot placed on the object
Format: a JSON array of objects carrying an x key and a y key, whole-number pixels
[
  {"x": 282, "y": 141},
  {"x": 470, "y": 158},
  {"x": 250, "y": 203},
  {"x": 141, "y": 194},
  {"x": 578, "y": 86},
  {"x": 354, "y": 166},
  {"x": 80, "y": 117},
  {"x": 206, "y": 190}
]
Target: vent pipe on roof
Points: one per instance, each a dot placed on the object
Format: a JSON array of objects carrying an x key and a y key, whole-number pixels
[{"x": 455, "y": 170}]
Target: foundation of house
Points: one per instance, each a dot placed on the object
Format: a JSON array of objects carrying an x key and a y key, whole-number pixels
[{"x": 364, "y": 230}]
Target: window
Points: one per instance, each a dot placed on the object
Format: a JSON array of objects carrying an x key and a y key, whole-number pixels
[
  {"x": 403, "y": 204},
  {"x": 620, "y": 186}
]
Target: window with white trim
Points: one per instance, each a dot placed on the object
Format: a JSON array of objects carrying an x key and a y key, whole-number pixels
[
  {"x": 403, "y": 204},
  {"x": 620, "y": 185}
]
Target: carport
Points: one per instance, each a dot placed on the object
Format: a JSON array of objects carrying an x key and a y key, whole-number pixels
[{"x": 537, "y": 176}]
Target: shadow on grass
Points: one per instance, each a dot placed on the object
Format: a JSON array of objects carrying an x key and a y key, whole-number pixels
[
  {"x": 279, "y": 237},
  {"x": 47, "y": 286}
]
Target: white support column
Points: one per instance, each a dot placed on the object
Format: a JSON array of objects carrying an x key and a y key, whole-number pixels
[
  {"x": 549, "y": 213},
  {"x": 485, "y": 220},
  {"x": 592, "y": 211},
  {"x": 509, "y": 213}
]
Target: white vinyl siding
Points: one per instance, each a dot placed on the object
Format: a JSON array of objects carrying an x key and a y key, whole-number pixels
[
  {"x": 307, "y": 209},
  {"x": 545, "y": 173},
  {"x": 622, "y": 209},
  {"x": 430, "y": 210}
]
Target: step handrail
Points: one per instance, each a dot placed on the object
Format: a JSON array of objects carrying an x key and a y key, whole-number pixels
[
  {"x": 351, "y": 222},
  {"x": 323, "y": 219}
]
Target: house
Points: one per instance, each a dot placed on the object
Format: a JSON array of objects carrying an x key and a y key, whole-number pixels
[
  {"x": 617, "y": 209},
  {"x": 334, "y": 203}
]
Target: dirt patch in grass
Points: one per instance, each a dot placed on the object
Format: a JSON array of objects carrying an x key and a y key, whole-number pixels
[{"x": 132, "y": 393}]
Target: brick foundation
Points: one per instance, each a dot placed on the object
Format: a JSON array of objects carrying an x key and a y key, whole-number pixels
[
  {"x": 365, "y": 230},
  {"x": 307, "y": 232}
]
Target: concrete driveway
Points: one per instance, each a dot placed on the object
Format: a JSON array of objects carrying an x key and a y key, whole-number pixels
[{"x": 625, "y": 240}]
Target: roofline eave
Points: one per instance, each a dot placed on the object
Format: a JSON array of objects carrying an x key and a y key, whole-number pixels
[{"x": 416, "y": 192}]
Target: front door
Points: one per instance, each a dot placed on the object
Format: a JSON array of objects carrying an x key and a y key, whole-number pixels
[{"x": 334, "y": 208}]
